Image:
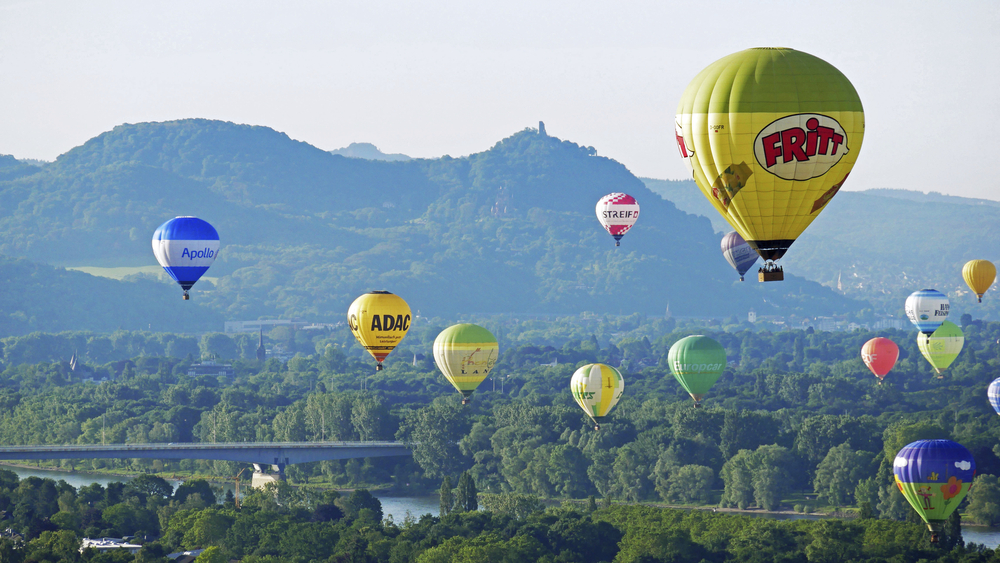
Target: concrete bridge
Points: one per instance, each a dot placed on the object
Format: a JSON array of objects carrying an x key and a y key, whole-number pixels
[{"x": 260, "y": 454}]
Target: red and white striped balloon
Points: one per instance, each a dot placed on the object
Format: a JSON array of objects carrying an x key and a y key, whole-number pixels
[{"x": 617, "y": 212}]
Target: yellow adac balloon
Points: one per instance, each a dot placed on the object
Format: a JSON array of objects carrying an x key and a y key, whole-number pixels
[
  {"x": 770, "y": 135},
  {"x": 379, "y": 320},
  {"x": 979, "y": 275},
  {"x": 465, "y": 354},
  {"x": 597, "y": 388}
]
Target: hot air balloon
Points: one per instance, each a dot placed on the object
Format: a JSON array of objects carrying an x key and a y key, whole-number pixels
[
  {"x": 379, "y": 320},
  {"x": 465, "y": 354},
  {"x": 770, "y": 135},
  {"x": 993, "y": 393},
  {"x": 597, "y": 388},
  {"x": 617, "y": 213},
  {"x": 979, "y": 275},
  {"x": 697, "y": 362},
  {"x": 880, "y": 355},
  {"x": 942, "y": 347},
  {"x": 927, "y": 309},
  {"x": 186, "y": 248},
  {"x": 934, "y": 476},
  {"x": 738, "y": 253}
]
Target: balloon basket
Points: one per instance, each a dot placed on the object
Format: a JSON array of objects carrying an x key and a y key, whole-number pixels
[
  {"x": 378, "y": 366},
  {"x": 186, "y": 296},
  {"x": 618, "y": 243},
  {"x": 597, "y": 427},
  {"x": 465, "y": 400},
  {"x": 770, "y": 272}
]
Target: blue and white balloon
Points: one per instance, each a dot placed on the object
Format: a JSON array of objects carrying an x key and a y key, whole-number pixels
[
  {"x": 738, "y": 253},
  {"x": 186, "y": 247},
  {"x": 994, "y": 394},
  {"x": 927, "y": 309}
]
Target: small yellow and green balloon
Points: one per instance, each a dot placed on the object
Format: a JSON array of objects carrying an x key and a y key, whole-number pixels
[
  {"x": 597, "y": 388},
  {"x": 979, "y": 275},
  {"x": 697, "y": 362},
  {"x": 465, "y": 354},
  {"x": 934, "y": 476},
  {"x": 379, "y": 320},
  {"x": 941, "y": 347}
]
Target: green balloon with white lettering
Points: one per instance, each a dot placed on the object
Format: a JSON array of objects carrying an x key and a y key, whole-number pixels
[{"x": 697, "y": 363}]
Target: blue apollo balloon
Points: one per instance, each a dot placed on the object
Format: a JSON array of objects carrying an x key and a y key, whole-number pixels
[
  {"x": 738, "y": 253},
  {"x": 994, "y": 394},
  {"x": 186, "y": 247}
]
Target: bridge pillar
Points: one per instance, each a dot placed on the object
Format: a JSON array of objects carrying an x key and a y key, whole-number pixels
[{"x": 261, "y": 476}]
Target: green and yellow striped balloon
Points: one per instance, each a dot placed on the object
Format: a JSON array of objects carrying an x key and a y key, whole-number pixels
[
  {"x": 597, "y": 388},
  {"x": 465, "y": 354},
  {"x": 942, "y": 346}
]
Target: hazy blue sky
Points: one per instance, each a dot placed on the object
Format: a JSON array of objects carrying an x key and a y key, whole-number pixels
[{"x": 453, "y": 77}]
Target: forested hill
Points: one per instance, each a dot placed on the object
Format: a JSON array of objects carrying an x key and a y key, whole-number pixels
[
  {"x": 510, "y": 229},
  {"x": 41, "y": 298},
  {"x": 884, "y": 244}
]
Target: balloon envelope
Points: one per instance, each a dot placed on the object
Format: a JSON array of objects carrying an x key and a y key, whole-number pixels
[
  {"x": 979, "y": 275},
  {"x": 597, "y": 388},
  {"x": 697, "y": 362},
  {"x": 880, "y": 355},
  {"x": 617, "y": 212},
  {"x": 943, "y": 346},
  {"x": 379, "y": 320},
  {"x": 993, "y": 393},
  {"x": 770, "y": 135},
  {"x": 934, "y": 476},
  {"x": 465, "y": 354},
  {"x": 738, "y": 253},
  {"x": 927, "y": 309},
  {"x": 186, "y": 247}
]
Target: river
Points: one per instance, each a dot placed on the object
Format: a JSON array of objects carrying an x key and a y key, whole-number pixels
[{"x": 398, "y": 507}]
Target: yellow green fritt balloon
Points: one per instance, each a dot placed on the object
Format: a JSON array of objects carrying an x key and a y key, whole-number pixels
[
  {"x": 379, "y": 320},
  {"x": 697, "y": 362},
  {"x": 942, "y": 347},
  {"x": 465, "y": 354},
  {"x": 934, "y": 476},
  {"x": 979, "y": 275},
  {"x": 770, "y": 135},
  {"x": 597, "y": 388}
]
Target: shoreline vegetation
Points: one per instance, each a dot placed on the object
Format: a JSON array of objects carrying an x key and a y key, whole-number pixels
[{"x": 845, "y": 513}]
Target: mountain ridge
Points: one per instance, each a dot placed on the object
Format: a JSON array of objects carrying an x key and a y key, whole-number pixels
[{"x": 304, "y": 231}]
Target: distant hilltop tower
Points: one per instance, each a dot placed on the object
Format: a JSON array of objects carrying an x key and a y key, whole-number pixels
[
  {"x": 261, "y": 351},
  {"x": 541, "y": 129}
]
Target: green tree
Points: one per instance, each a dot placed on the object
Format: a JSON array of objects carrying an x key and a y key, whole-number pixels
[
  {"x": 838, "y": 475},
  {"x": 465, "y": 494},
  {"x": 218, "y": 345},
  {"x": 834, "y": 541},
  {"x": 433, "y": 433},
  {"x": 513, "y": 504},
  {"x": 447, "y": 496},
  {"x": 984, "y": 501},
  {"x": 690, "y": 484}
]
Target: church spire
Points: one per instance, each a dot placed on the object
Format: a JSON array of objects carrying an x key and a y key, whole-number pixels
[{"x": 261, "y": 352}]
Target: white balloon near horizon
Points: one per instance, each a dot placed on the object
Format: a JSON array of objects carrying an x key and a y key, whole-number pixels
[{"x": 439, "y": 77}]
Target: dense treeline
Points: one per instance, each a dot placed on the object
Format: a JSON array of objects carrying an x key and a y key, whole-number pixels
[
  {"x": 282, "y": 523},
  {"x": 795, "y": 414}
]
